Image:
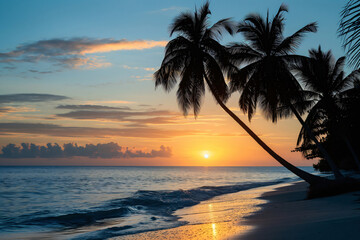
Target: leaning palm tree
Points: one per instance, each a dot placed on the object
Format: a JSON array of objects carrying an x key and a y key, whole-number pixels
[
  {"x": 266, "y": 79},
  {"x": 324, "y": 78},
  {"x": 195, "y": 58},
  {"x": 349, "y": 30}
]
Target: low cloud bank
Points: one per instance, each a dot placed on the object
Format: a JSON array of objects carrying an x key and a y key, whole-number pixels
[{"x": 100, "y": 150}]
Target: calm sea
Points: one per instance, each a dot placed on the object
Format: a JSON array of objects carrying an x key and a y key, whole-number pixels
[{"x": 103, "y": 202}]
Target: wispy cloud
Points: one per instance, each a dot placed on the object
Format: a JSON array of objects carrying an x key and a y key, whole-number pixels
[
  {"x": 64, "y": 131},
  {"x": 90, "y": 107},
  {"x": 109, "y": 102},
  {"x": 135, "y": 117},
  {"x": 74, "y": 52},
  {"x": 139, "y": 68},
  {"x": 168, "y": 9},
  {"x": 30, "y": 97},
  {"x": 147, "y": 77}
]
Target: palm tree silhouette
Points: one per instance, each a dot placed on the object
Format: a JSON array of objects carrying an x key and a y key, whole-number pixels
[
  {"x": 267, "y": 79},
  {"x": 349, "y": 29},
  {"x": 324, "y": 78},
  {"x": 195, "y": 57}
]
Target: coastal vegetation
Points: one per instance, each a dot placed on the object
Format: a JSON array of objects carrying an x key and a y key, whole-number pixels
[
  {"x": 263, "y": 69},
  {"x": 330, "y": 116},
  {"x": 195, "y": 57}
]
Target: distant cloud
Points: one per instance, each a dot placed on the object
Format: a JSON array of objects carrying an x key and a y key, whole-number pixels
[
  {"x": 172, "y": 8},
  {"x": 4, "y": 109},
  {"x": 114, "y": 115},
  {"x": 90, "y": 107},
  {"x": 101, "y": 150},
  {"x": 149, "y": 69},
  {"x": 134, "y": 118},
  {"x": 108, "y": 101},
  {"x": 74, "y": 52},
  {"x": 62, "y": 131},
  {"x": 9, "y": 67},
  {"x": 40, "y": 72},
  {"x": 30, "y": 97},
  {"x": 147, "y": 77}
]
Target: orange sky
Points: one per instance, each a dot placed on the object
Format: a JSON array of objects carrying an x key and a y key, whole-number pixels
[{"x": 87, "y": 75}]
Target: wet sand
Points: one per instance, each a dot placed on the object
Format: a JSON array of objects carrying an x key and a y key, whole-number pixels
[
  {"x": 288, "y": 215},
  {"x": 219, "y": 218},
  {"x": 279, "y": 212}
]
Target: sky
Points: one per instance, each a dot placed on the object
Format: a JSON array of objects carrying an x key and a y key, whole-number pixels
[{"x": 79, "y": 73}]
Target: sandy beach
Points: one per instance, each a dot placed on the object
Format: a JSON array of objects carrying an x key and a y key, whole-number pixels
[
  {"x": 221, "y": 217},
  {"x": 288, "y": 215},
  {"x": 273, "y": 212}
]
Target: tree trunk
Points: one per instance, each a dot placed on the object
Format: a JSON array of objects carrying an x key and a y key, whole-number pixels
[
  {"x": 331, "y": 111},
  {"x": 311, "y": 179},
  {"x": 327, "y": 157},
  {"x": 351, "y": 149}
]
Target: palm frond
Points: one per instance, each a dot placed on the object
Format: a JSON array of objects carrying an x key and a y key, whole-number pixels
[
  {"x": 182, "y": 24},
  {"x": 216, "y": 31},
  {"x": 216, "y": 77},
  {"x": 349, "y": 30},
  {"x": 291, "y": 43}
]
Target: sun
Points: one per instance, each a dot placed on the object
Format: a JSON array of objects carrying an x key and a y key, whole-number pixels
[{"x": 206, "y": 155}]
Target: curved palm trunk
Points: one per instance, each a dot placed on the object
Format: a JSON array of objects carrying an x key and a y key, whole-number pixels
[
  {"x": 331, "y": 111},
  {"x": 311, "y": 179},
  {"x": 351, "y": 149},
  {"x": 326, "y": 155}
]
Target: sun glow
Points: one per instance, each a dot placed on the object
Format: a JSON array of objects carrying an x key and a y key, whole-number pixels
[{"x": 206, "y": 155}]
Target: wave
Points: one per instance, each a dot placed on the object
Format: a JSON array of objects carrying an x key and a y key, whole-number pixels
[{"x": 156, "y": 206}]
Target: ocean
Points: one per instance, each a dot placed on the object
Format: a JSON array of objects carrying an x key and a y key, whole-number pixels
[{"x": 104, "y": 202}]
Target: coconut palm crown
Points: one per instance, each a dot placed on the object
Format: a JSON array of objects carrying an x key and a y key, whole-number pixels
[
  {"x": 265, "y": 78},
  {"x": 325, "y": 78},
  {"x": 193, "y": 56}
]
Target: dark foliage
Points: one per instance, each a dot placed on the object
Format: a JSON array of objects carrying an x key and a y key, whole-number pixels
[
  {"x": 349, "y": 30},
  {"x": 334, "y": 118},
  {"x": 265, "y": 79},
  {"x": 193, "y": 57}
]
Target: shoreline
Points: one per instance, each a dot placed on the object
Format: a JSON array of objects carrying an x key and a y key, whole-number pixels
[
  {"x": 289, "y": 215},
  {"x": 221, "y": 217}
]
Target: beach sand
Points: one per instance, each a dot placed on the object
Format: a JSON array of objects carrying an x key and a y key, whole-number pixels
[
  {"x": 271, "y": 213},
  {"x": 218, "y": 218},
  {"x": 288, "y": 215}
]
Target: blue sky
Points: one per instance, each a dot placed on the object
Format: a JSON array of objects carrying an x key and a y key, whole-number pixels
[{"x": 122, "y": 77}]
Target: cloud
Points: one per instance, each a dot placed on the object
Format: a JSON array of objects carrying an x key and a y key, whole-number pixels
[
  {"x": 137, "y": 117},
  {"x": 74, "y": 52},
  {"x": 5, "y": 109},
  {"x": 101, "y": 150},
  {"x": 147, "y": 77},
  {"x": 108, "y": 101},
  {"x": 149, "y": 69},
  {"x": 30, "y": 97},
  {"x": 91, "y": 107},
  {"x": 172, "y": 8},
  {"x": 9, "y": 67},
  {"x": 40, "y": 72},
  {"x": 63, "y": 131}
]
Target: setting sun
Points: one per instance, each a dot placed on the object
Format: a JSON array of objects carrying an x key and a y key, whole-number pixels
[{"x": 206, "y": 155}]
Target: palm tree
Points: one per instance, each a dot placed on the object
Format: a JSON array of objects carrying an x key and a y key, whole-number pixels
[
  {"x": 349, "y": 30},
  {"x": 324, "y": 78},
  {"x": 267, "y": 80},
  {"x": 196, "y": 58}
]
